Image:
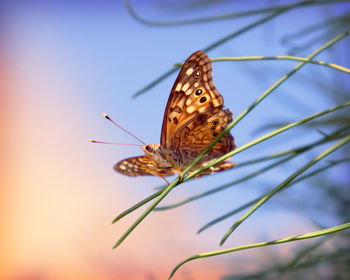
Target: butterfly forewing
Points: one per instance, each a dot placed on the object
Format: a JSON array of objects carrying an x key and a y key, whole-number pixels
[{"x": 194, "y": 114}]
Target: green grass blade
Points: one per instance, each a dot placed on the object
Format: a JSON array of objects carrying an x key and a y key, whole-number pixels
[
  {"x": 155, "y": 82},
  {"x": 210, "y": 47},
  {"x": 136, "y": 206},
  {"x": 223, "y": 16},
  {"x": 223, "y": 187},
  {"x": 284, "y": 184},
  {"x": 278, "y": 57},
  {"x": 283, "y": 57},
  {"x": 148, "y": 210},
  {"x": 250, "y": 203},
  {"x": 292, "y": 152},
  {"x": 331, "y": 230},
  {"x": 198, "y": 20}
]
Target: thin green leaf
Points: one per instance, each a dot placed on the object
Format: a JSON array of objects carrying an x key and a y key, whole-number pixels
[
  {"x": 293, "y": 152},
  {"x": 263, "y": 244},
  {"x": 212, "y": 46},
  {"x": 252, "y": 202},
  {"x": 224, "y": 187},
  {"x": 136, "y": 206},
  {"x": 223, "y": 16},
  {"x": 284, "y": 184},
  {"x": 278, "y": 57}
]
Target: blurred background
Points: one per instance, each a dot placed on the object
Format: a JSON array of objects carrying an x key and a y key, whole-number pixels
[{"x": 63, "y": 63}]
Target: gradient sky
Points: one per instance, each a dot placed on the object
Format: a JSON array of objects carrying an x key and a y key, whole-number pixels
[{"x": 66, "y": 63}]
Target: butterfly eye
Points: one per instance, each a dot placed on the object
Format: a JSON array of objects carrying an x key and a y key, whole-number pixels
[
  {"x": 215, "y": 122},
  {"x": 215, "y": 134},
  {"x": 197, "y": 74},
  {"x": 198, "y": 92},
  {"x": 149, "y": 149}
]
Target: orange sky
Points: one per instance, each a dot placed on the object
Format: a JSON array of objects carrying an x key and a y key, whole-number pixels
[
  {"x": 58, "y": 192},
  {"x": 57, "y": 204}
]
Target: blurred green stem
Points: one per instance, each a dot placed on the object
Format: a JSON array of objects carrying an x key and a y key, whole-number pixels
[
  {"x": 263, "y": 244},
  {"x": 221, "y": 188},
  {"x": 225, "y": 16},
  {"x": 278, "y": 57},
  {"x": 292, "y": 152},
  {"x": 266, "y": 197},
  {"x": 214, "y": 45},
  {"x": 248, "y": 204}
]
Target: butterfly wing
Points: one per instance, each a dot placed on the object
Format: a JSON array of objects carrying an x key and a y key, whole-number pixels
[
  {"x": 141, "y": 166},
  {"x": 221, "y": 166},
  {"x": 195, "y": 113},
  {"x": 200, "y": 132}
]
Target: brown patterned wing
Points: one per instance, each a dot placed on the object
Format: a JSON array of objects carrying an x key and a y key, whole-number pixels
[
  {"x": 195, "y": 114},
  {"x": 222, "y": 166},
  {"x": 200, "y": 132},
  {"x": 141, "y": 166}
]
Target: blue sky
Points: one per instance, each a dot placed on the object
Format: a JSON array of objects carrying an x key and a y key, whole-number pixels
[{"x": 83, "y": 58}]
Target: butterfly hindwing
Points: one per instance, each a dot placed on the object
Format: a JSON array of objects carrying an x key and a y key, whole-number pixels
[
  {"x": 140, "y": 166},
  {"x": 201, "y": 132}
]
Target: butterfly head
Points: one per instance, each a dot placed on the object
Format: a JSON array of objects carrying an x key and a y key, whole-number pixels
[
  {"x": 156, "y": 153},
  {"x": 150, "y": 149}
]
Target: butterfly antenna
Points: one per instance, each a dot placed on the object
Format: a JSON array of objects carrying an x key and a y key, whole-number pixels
[
  {"x": 108, "y": 118},
  {"x": 102, "y": 142}
]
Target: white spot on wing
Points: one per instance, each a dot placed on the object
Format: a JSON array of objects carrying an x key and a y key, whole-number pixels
[
  {"x": 185, "y": 86},
  {"x": 201, "y": 109},
  {"x": 189, "y": 100},
  {"x": 189, "y": 71},
  {"x": 216, "y": 102},
  {"x": 181, "y": 102},
  {"x": 190, "y": 109},
  {"x": 178, "y": 87},
  {"x": 189, "y": 91}
]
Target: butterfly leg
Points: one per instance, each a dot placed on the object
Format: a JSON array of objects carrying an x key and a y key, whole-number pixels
[
  {"x": 166, "y": 181},
  {"x": 175, "y": 166},
  {"x": 159, "y": 175}
]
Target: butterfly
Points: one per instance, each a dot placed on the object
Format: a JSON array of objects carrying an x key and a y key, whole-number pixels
[{"x": 193, "y": 117}]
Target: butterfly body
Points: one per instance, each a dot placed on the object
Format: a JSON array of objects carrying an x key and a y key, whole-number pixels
[
  {"x": 177, "y": 159},
  {"x": 193, "y": 118}
]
